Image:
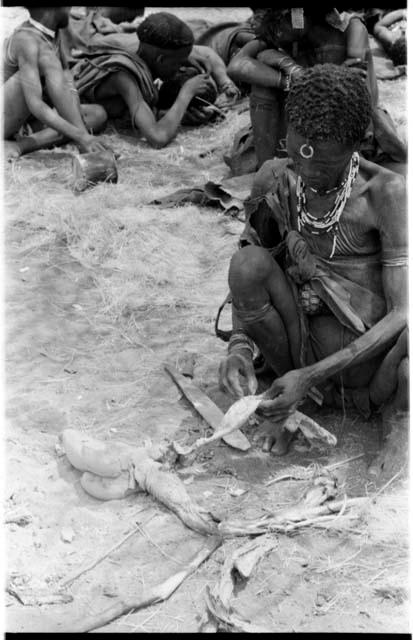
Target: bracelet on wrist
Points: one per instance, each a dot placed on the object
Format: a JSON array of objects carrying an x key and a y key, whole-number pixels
[{"x": 240, "y": 341}]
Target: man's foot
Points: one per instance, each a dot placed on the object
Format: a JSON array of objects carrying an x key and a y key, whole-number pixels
[
  {"x": 12, "y": 150},
  {"x": 393, "y": 456},
  {"x": 274, "y": 438}
]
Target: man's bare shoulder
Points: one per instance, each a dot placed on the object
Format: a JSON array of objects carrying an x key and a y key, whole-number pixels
[
  {"x": 25, "y": 41},
  {"x": 381, "y": 181}
]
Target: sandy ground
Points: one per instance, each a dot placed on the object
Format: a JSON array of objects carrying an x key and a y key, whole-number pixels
[{"x": 101, "y": 290}]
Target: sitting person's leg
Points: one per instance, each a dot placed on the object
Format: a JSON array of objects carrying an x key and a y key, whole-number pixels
[
  {"x": 93, "y": 115},
  {"x": 15, "y": 109},
  {"x": 118, "y": 92},
  {"x": 17, "y": 113},
  {"x": 268, "y": 122},
  {"x": 386, "y": 380},
  {"x": 264, "y": 306},
  {"x": 389, "y": 389}
]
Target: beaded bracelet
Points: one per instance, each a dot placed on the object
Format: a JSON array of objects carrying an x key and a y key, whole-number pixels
[{"x": 287, "y": 80}]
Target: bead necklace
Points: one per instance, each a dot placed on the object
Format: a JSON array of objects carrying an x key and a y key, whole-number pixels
[{"x": 329, "y": 221}]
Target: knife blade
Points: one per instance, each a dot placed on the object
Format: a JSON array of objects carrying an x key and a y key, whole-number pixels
[{"x": 207, "y": 408}]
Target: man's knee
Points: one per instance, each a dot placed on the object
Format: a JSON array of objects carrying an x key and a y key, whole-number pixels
[
  {"x": 95, "y": 117},
  {"x": 251, "y": 266},
  {"x": 402, "y": 394}
]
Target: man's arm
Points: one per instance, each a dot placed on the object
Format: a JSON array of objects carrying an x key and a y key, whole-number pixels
[
  {"x": 244, "y": 67},
  {"x": 389, "y": 19},
  {"x": 218, "y": 69},
  {"x": 75, "y": 107},
  {"x": 359, "y": 55},
  {"x": 357, "y": 40},
  {"x": 32, "y": 90},
  {"x": 159, "y": 132}
]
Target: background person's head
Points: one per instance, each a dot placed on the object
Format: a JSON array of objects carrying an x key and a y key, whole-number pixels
[
  {"x": 281, "y": 27},
  {"x": 165, "y": 43},
  {"x": 329, "y": 109},
  {"x": 52, "y": 17},
  {"x": 398, "y": 51}
]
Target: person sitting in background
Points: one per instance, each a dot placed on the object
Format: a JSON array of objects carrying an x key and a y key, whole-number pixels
[
  {"x": 390, "y": 31},
  {"x": 320, "y": 283},
  {"x": 107, "y": 28},
  {"x": 288, "y": 41},
  {"x": 39, "y": 92},
  {"x": 120, "y": 81}
]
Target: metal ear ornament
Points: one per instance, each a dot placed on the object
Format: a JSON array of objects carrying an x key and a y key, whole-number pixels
[{"x": 306, "y": 151}]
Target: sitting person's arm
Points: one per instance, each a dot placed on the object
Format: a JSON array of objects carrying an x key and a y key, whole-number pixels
[
  {"x": 389, "y": 201},
  {"x": 393, "y": 41},
  {"x": 358, "y": 53},
  {"x": 160, "y": 132},
  {"x": 217, "y": 69},
  {"x": 357, "y": 43},
  {"x": 66, "y": 119},
  {"x": 382, "y": 28},
  {"x": 282, "y": 62},
  {"x": 245, "y": 67}
]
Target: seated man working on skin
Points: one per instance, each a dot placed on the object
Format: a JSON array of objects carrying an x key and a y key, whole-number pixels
[
  {"x": 320, "y": 283},
  {"x": 39, "y": 91},
  {"x": 289, "y": 40},
  {"x": 119, "y": 80}
]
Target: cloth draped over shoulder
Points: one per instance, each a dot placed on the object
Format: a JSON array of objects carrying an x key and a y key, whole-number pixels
[
  {"x": 83, "y": 36},
  {"x": 344, "y": 284},
  {"x": 92, "y": 57}
]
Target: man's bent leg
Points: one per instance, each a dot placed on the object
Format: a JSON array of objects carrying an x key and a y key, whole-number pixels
[
  {"x": 94, "y": 117},
  {"x": 391, "y": 386},
  {"x": 263, "y": 305},
  {"x": 268, "y": 122},
  {"x": 120, "y": 85},
  {"x": 386, "y": 380},
  {"x": 15, "y": 109}
]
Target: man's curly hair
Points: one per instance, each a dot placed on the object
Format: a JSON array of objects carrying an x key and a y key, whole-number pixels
[
  {"x": 329, "y": 102},
  {"x": 165, "y": 31},
  {"x": 267, "y": 22}
]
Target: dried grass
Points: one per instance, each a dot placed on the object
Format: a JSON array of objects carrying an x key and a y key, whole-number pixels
[{"x": 143, "y": 259}]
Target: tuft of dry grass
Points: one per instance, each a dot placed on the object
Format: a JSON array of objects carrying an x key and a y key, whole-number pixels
[{"x": 145, "y": 258}]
